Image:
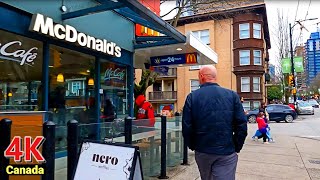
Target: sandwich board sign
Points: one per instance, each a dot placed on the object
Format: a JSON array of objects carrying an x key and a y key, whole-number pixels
[{"x": 98, "y": 161}]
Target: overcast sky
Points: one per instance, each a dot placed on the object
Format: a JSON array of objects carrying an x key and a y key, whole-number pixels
[{"x": 292, "y": 8}]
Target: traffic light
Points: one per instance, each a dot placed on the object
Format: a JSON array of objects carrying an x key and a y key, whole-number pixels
[{"x": 291, "y": 80}]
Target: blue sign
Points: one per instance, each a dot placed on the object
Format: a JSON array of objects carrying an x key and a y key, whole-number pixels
[{"x": 190, "y": 58}]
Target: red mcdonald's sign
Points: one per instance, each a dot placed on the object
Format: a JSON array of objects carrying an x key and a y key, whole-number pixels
[{"x": 191, "y": 58}]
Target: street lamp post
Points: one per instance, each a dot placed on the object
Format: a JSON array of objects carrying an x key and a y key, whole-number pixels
[{"x": 291, "y": 58}]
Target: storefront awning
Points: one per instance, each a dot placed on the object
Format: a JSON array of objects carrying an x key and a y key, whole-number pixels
[
  {"x": 193, "y": 45},
  {"x": 138, "y": 14}
]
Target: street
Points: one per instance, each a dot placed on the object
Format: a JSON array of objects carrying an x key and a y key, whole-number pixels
[
  {"x": 294, "y": 155},
  {"x": 305, "y": 126}
]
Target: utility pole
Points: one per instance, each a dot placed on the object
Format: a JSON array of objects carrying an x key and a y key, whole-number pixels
[{"x": 292, "y": 68}]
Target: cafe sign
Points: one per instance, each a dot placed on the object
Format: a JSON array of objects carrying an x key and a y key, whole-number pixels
[
  {"x": 117, "y": 73},
  {"x": 108, "y": 161},
  {"x": 20, "y": 55},
  {"x": 46, "y": 26}
]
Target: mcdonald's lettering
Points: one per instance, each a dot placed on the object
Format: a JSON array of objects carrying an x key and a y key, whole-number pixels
[{"x": 191, "y": 58}]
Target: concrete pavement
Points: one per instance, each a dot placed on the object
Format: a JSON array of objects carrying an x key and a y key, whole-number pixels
[{"x": 289, "y": 157}]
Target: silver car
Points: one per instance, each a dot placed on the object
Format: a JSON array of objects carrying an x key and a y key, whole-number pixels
[{"x": 305, "y": 108}]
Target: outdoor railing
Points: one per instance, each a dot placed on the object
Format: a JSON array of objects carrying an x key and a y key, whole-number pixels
[
  {"x": 172, "y": 72},
  {"x": 163, "y": 95}
]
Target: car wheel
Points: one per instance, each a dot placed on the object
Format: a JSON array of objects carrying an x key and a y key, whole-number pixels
[
  {"x": 252, "y": 119},
  {"x": 288, "y": 118}
]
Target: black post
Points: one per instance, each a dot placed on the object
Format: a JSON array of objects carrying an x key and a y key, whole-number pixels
[
  {"x": 48, "y": 150},
  {"x": 72, "y": 147},
  {"x": 163, "y": 171},
  {"x": 185, "y": 154},
  {"x": 128, "y": 130},
  {"x": 292, "y": 68},
  {"x": 5, "y": 136}
]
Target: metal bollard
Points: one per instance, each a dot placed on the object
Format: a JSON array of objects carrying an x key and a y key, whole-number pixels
[
  {"x": 128, "y": 130},
  {"x": 5, "y": 136},
  {"x": 163, "y": 171},
  {"x": 48, "y": 150},
  {"x": 185, "y": 154},
  {"x": 72, "y": 148}
]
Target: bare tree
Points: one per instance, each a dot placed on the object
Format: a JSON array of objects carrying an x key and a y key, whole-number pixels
[
  {"x": 203, "y": 6},
  {"x": 282, "y": 45}
]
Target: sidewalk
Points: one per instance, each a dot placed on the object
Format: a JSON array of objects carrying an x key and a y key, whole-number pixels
[{"x": 293, "y": 158}]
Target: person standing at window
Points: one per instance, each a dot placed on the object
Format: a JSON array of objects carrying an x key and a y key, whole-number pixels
[{"x": 108, "y": 111}]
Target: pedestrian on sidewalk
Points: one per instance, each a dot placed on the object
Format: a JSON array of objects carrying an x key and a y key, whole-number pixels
[
  {"x": 262, "y": 126},
  {"x": 215, "y": 126}
]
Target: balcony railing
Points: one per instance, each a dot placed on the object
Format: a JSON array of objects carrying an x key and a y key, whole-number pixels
[
  {"x": 172, "y": 72},
  {"x": 163, "y": 95}
]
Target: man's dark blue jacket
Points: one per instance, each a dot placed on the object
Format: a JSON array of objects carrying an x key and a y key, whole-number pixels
[{"x": 214, "y": 121}]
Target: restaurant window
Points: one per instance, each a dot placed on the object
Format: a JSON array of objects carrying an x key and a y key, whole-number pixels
[
  {"x": 245, "y": 84},
  {"x": 256, "y": 84},
  {"x": 194, "y": 85},
  {"x": 71, "y": 92},
  {"x": 244, "y": 57},
  {"x": 244, "y": 31},
  {"x": 20, "y": 73},
  {"x": 257, "y": 57},
  {"x": 257, "y": 30},
  {"x": 113, "y": 90}
]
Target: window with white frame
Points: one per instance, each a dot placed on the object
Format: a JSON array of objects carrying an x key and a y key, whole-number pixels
[
  {"x": 203, "y": 35},
  {"x": 244, "y": 31},
  {"x": 256, "y": 84},
  {"x": 244, "y": 57},
  {"x": 257, "y": 30},
  {"x": 256, "y": 104},
  {"x": 75, "y": 87},
  {"x": 246, "y": 105},
  {"x": 195, "y": 67},
  {"x": 257, "y": 60},
  {"x": 245, "y": 84},
  {"x": 194, "y": 85}
]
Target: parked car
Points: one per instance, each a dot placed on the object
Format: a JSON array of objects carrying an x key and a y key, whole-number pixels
[
  {"x": 305, "y": 108},
  {"x": 277, "y": 112}
]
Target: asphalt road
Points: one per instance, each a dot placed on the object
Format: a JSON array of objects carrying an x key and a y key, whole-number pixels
[{"x": 307, "y": 126}]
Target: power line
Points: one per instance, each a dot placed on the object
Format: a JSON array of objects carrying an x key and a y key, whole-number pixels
[
  {"x": 295, "y": 17},
  {"x": 308, "y": 10}
]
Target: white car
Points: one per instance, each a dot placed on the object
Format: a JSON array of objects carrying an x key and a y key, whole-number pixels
[{"x": 305, "y": 108}]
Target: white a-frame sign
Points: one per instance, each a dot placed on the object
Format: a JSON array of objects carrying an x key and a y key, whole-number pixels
[{"x": 99, "y": 161}]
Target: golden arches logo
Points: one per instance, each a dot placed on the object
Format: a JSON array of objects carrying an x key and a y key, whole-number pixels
[
  {"x": 157, "y": 61},
  {"x": 191, "y": 58}
]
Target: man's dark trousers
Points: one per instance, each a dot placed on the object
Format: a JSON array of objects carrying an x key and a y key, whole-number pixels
[{"x": 216, "y": 167}]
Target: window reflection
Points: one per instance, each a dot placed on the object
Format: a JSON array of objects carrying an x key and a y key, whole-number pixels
[
  {"x": 113, "y": 89},
  {"x": 71, "y": 96},
  {"x": 20, "y": 73}
]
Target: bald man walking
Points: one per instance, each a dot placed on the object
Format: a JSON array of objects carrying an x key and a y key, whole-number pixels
[{"x": 215, "y": 126}]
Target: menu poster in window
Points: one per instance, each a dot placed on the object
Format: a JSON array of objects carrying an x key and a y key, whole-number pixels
[
  {"x": 108, "y": 161},
  {"x": 114, "y": 75}
]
